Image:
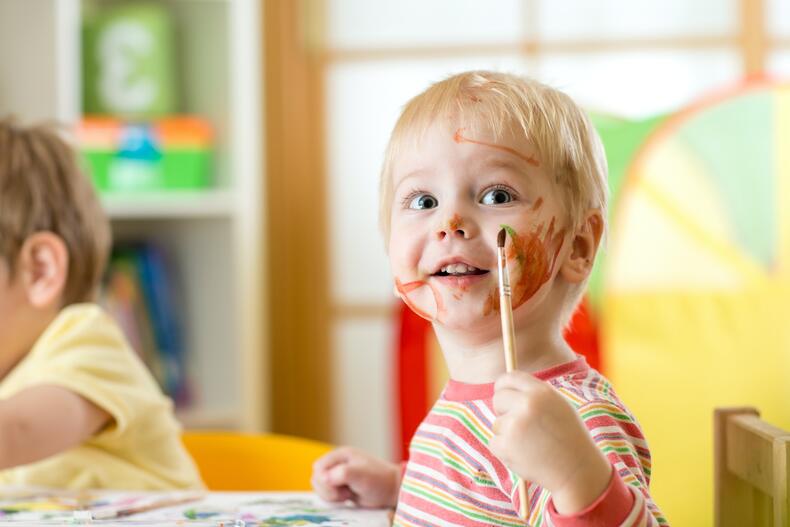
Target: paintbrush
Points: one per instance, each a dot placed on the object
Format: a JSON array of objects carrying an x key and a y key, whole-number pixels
[
  {"x": 508, "y": 337},
  {"x": 142, "y": 503}
]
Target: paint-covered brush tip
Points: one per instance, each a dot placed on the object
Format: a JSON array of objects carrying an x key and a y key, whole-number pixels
[{"x": 500, "y": 238}]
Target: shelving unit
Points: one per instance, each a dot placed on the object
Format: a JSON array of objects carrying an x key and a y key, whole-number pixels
[
  {"x": 213, "y": 237},
  {"x": 182, "y": 205}
]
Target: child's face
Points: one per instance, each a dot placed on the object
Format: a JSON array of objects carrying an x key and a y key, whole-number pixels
[{"x": 453, "y": 192}]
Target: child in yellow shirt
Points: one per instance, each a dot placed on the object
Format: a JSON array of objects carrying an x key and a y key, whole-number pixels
[{"x": 78, "y": 409}]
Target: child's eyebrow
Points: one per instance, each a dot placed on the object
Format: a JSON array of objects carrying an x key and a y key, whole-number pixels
[
  {"x": 413, "y": 174},
  {"x": 502, "y": 162}
]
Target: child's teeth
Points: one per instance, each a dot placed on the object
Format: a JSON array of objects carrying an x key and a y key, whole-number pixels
[{"x": 459, "y": 268}]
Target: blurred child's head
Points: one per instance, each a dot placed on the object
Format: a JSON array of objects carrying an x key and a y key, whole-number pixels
[
  {"x": 472, "y": 153},
  {"x": 54, "y": 235}
]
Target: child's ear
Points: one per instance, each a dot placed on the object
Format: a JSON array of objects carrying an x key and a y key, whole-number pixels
[
  {"x": 583, "y": 248},
  {"x": 44, "y": 263}
]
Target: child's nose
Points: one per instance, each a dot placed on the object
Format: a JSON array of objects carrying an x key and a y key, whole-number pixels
[
  {"x": 443, "y": 233},
  {"x": 453, "y": 226}
]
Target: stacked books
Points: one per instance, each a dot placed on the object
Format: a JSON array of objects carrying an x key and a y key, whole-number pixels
[{"x": 141, "y": 295}]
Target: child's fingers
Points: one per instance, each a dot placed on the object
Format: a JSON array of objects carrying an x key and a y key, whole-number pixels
[
  {"x": 327, "y": 461},
  {"x": 498, "y": 447},
  {"x": 329, "y": 492},
  {"x": 329, "y": 479},
  {"x": 501, "y": 425},
  {"x": 342, "y": 474},
  {"x": 506, "y": 400},
  {"x": 346, "y": 494},
  {"x": 324, "y": 491},
  {"x": 517, "y": 380}
]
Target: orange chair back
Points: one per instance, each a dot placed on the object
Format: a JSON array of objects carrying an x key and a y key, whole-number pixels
[{"x": 235, "y": 461}]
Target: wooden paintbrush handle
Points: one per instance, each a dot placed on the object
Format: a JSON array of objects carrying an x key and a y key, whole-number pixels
[{"x": 508, "y": 332}]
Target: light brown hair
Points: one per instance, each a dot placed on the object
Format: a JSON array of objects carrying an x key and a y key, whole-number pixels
[{"x": 43, "y": 189}]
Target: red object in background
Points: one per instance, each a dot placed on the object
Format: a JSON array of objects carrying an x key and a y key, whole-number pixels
[
  {"x": 411, "y": 358},
  {"x": 411, "y": 384},
  {"x": 582, "y": 334}
]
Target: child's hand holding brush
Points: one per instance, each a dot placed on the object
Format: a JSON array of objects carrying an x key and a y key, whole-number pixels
[{"x": 537, "y": 434}]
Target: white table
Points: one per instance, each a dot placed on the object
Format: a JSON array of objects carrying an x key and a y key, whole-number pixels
[{"x": 248, "y": 509}]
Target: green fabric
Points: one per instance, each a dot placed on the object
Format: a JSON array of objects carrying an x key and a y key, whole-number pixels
[
  {"x": 622, "y": 139},
  {"x": 733, "y": 141}
]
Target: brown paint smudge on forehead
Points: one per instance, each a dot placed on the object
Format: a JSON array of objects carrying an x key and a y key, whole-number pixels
[
  {"x": 458, "y": 137},
  {"x": 531, "y": 255}
]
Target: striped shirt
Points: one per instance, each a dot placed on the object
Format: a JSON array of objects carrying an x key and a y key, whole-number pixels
[{"x": 452, "y": 478}]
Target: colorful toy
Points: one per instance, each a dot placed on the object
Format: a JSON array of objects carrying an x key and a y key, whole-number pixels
[{"x": 168, "y": 154}]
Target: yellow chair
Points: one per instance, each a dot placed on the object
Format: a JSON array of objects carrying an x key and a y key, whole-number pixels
[
  {"x": 752, "y": 469},
  {"x": 235, "y": 461}
]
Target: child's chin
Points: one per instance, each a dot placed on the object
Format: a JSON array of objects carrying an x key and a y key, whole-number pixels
[{"x": 465, "y": 321}]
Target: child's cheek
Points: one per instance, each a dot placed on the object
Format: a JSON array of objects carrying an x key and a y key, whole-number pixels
[
  {"x": 531, "y": 256},
  {"x": 421, "y": 297},
  {"x": 534, "y": 255}
]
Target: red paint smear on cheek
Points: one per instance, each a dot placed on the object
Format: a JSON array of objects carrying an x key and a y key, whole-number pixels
[
  {"x": 458, "y": 137},
  {"x": 405, "y": 289},
  {"x": 531, "y": 255}
]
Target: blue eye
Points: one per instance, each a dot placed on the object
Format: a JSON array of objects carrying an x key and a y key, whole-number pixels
[
  {"x": 496, "y": 196},
  {"x": 423, "y": 201}
]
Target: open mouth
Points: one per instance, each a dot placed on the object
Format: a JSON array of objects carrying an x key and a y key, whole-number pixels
[{"x": 460, "y": 269}]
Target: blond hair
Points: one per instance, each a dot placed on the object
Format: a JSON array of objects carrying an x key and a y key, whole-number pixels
[
  {"x": 560, "y": 131},
  {"x": 43, "y": 189}
]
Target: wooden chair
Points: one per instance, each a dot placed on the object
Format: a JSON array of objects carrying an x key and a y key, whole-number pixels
[
  {"x": 235, "y": 461},
  {"x": 751, "y": 470}
]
